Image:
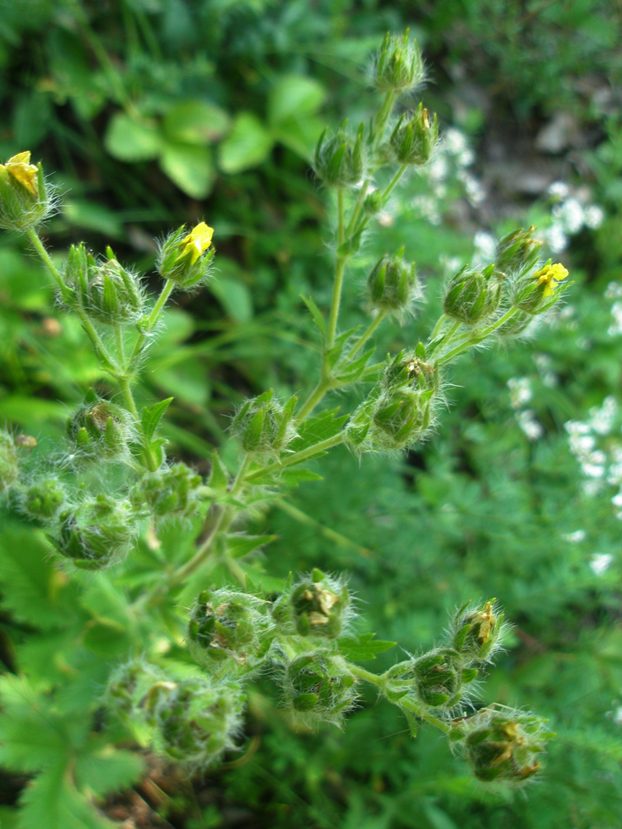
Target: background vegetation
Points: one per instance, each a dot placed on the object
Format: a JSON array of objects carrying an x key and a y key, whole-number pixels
[{"x": 162, "y": 111}]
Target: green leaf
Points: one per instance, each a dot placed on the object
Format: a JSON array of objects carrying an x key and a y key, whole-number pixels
[
  {"x": 152, "y": 415},
  {"x": 102, "y": 769},
  {"x": 234, "y": 296},
  {"x": 363, "y": 647},
  {"x": 190, "y": 167},
  {"x": 196, "y": 122},
  {"x": 247, "y": 145},
  {"x": 219, "y": 474},
  {"x": 241, "y": 545},
  {"x": 318, "y": 428},
  {"x": 318, "y": 317},
  {"x": 294, "y": 96},
  {"x": 131, "y": 140},
  {"x": 92, "y": 216},
  {"x": 51, "y": 801}
]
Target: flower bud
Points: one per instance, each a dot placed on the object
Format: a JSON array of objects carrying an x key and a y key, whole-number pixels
[
  {"x": 535, "y": 293},
  {"x": 186, "y": 257},
  {"x": 24, "y": 201},
  {"x": 101, "y": 429},
  {"x": 477, "y": 631},
  {"x": 504, "y": 744},
  {"x": 41, "y": 501},
  {"x": 175, "y": 491},
  {"x": 409, "y": 370},
  {"x": 9, "y": 469},
  {"x": 263, "y": 425},
  {"x": 228, "y": 631},
  {"x": 97, "y": 533},
  {"x": 319, "y": 687},
  {"x": 320, "y": 605},
  {"x": 392, "y": 285},
  {"x": 517, "y": 251},
  {"x": 414, "y": 137},
  {"x": 401, "y": 418},
  {"x": 197, "y": 720},
  {"x": 438, "y": 678},
  {"x": 105, "y": 291},
  {"x": 129, "y": 686},
  {"x": 398, "y": 64},
  {"x": 339, "y": 158},
  {"x": 473, "y": 296}
]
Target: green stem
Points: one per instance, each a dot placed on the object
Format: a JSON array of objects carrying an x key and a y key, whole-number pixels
[
  {"x": 150, "y": 461},
  {"x": 421, "y": 712},
  {"x": 299, "y": 457},
  {"x": 339, "y": 274},
  {"x": 366, "y": 676},
  {"x": 316, "y": 396},
  {"x": 38, "y": 245},
  {"x": 394, "y": 181},
  {"x": 369, "y": 332},
  {"x": 152, "y": 319},
  {"x": 383, "y": 115},
  {"x": 477, "y": 337}
]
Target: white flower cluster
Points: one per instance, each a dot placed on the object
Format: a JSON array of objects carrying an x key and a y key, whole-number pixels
[
  {"x": 521, "y": 394},
  {"x": 572, "y": 211}
]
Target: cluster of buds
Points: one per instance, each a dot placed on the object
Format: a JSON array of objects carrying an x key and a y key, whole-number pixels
[
  {"x": 100, "y": 429},
  {"x": 318, "y": 687},
  {"x": 96, "y": 533},
  {"x": 400, "y": 411},
  {"x": 340, "y": 158},
  {"x": 503, "y": 744},
  {"x": 315, "y": 605},
  {"x": 263, "y": 425},
  {"x": 229, "y": 632},
  {"x": 414, "y": 137},
  {"x": 398, "y": 65},
  {"x": 105, "y": 290},
  {"x": 172, "y": 491},
  {"x": 24, "y": 199},
  {"x": 185, "y": 257},
  {"x": 473, "y": 296},
  {"x": 392, "y": 285}
]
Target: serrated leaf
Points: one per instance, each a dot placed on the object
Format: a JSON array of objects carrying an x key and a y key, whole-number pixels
[
  {"x": 241, "y": 545},
  {"x": 318, "y": 428},
  {"x": 318, "y": 317},
  {"x": 51, "y": 801},
  {"x": 102, "y": 769},
  {"x": 363, "y": 647},
  {"x": 293, "y": 477},
  {"x": 152, "y": 415}
]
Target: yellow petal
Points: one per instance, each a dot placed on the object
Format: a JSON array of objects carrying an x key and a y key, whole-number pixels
[
  {"x": 197, "y": 241},
  {"x": 20, "y": 168}
]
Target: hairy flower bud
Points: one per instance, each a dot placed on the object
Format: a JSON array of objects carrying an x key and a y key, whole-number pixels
[
  {"x": 175, "y": 491},
  {"x": 196, "y": 720},
  {"x": 24, "y": 200},
  {"x": 97, "y": 533},
  {"x": 392, "y": 285},
  {"x": 100, "y": 429},
  {"x": 9, "y": 469},
  {"x": 185, "y": 257},
  {"x": 414, "y": 137},
  {"x": 517, "y": 251},
  {"x": 40, "y": 501},
  {"x": 339, "y": 158},
  {"x": 409, "y": 370},
  {"x": 534, "y": 293},
  {"x": 129, "y": 686},
  {"x": 105, "y": 290},
  {"x": 477, "y": 631},
  {"x": 438, "y": 679},
  {"x": 472, "y": 296},
  {"x": 398, "y": 64},
  {"x": 504, "y": 744},
  {"x": 319, "y": 687},
  {"x": 263, "y": 425},
  {"x": 317, "y": 605},
  {"x": 229, "y": 632}
]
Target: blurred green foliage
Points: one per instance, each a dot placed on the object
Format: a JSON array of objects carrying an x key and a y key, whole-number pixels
[{"x": 150, "y": 106}]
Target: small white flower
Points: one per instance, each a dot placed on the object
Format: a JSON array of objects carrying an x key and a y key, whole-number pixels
[
  {"x": 575, "y": 537},
  {"x": 600, "y": 562}
]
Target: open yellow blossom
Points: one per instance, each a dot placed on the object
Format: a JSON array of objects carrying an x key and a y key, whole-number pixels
[
  {"x": 549, "y": 275},
  {"x": 20, "y": 168},
  {"x": 197, "y": 241}
]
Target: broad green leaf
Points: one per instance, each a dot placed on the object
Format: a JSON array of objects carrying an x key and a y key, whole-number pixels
[
  {"x": 247, "y": 145},
  {"x": 241, "y": 545},
  {"x": 294, "y": 97},
  {"x": 102, "y": 769},
  {"x": 300, "y": 136},
  {"x": 152, "y": 415},
  {"x": 190, "y": 167},
  {"x": 318, "y": 428},
  {"x": 51, "y": 801},
  {"x": 131, "y": 140},
  {"x": 195, "y": 122},
  {"x": 363, "y": 647}
]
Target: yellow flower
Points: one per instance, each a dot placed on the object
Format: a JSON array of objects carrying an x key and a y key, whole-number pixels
[
  {"x": 549, "y": 275},
  {"x": 20, "y": 168},
  {"x": 197, "y": 241}
]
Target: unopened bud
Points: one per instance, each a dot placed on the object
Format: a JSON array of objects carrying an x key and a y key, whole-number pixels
[
  {"x": 392, "y": 285},
  {"x": 398, "y": 64},
  {"x": 185, "y": 257},
  {"x": 175, "y": 491},
  {"x": 414, "y": 137},
  {"x": 438, "y": 679},
  {"x": 473, "y": 296},
  {"x": 101, "y": 429},
  {"x": 229, "y": 632},
  {"x": 24, "y": 201},
  {"x": 477, "y": 631},
  {"x": 409, "y": 370},
  {"x": 320, "y": 605},
  {"x": 504, "y": 744},
  {"x": 41, "y": 501},
  {"x": 339, "y": 158},
  {"x": 9, "y": 469},
  {"x": 97, "y": 533},
  {"x": 517, "y": 251},
  {"x": 263, "y": 425},
  {"x": 319, "y": 687}
]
